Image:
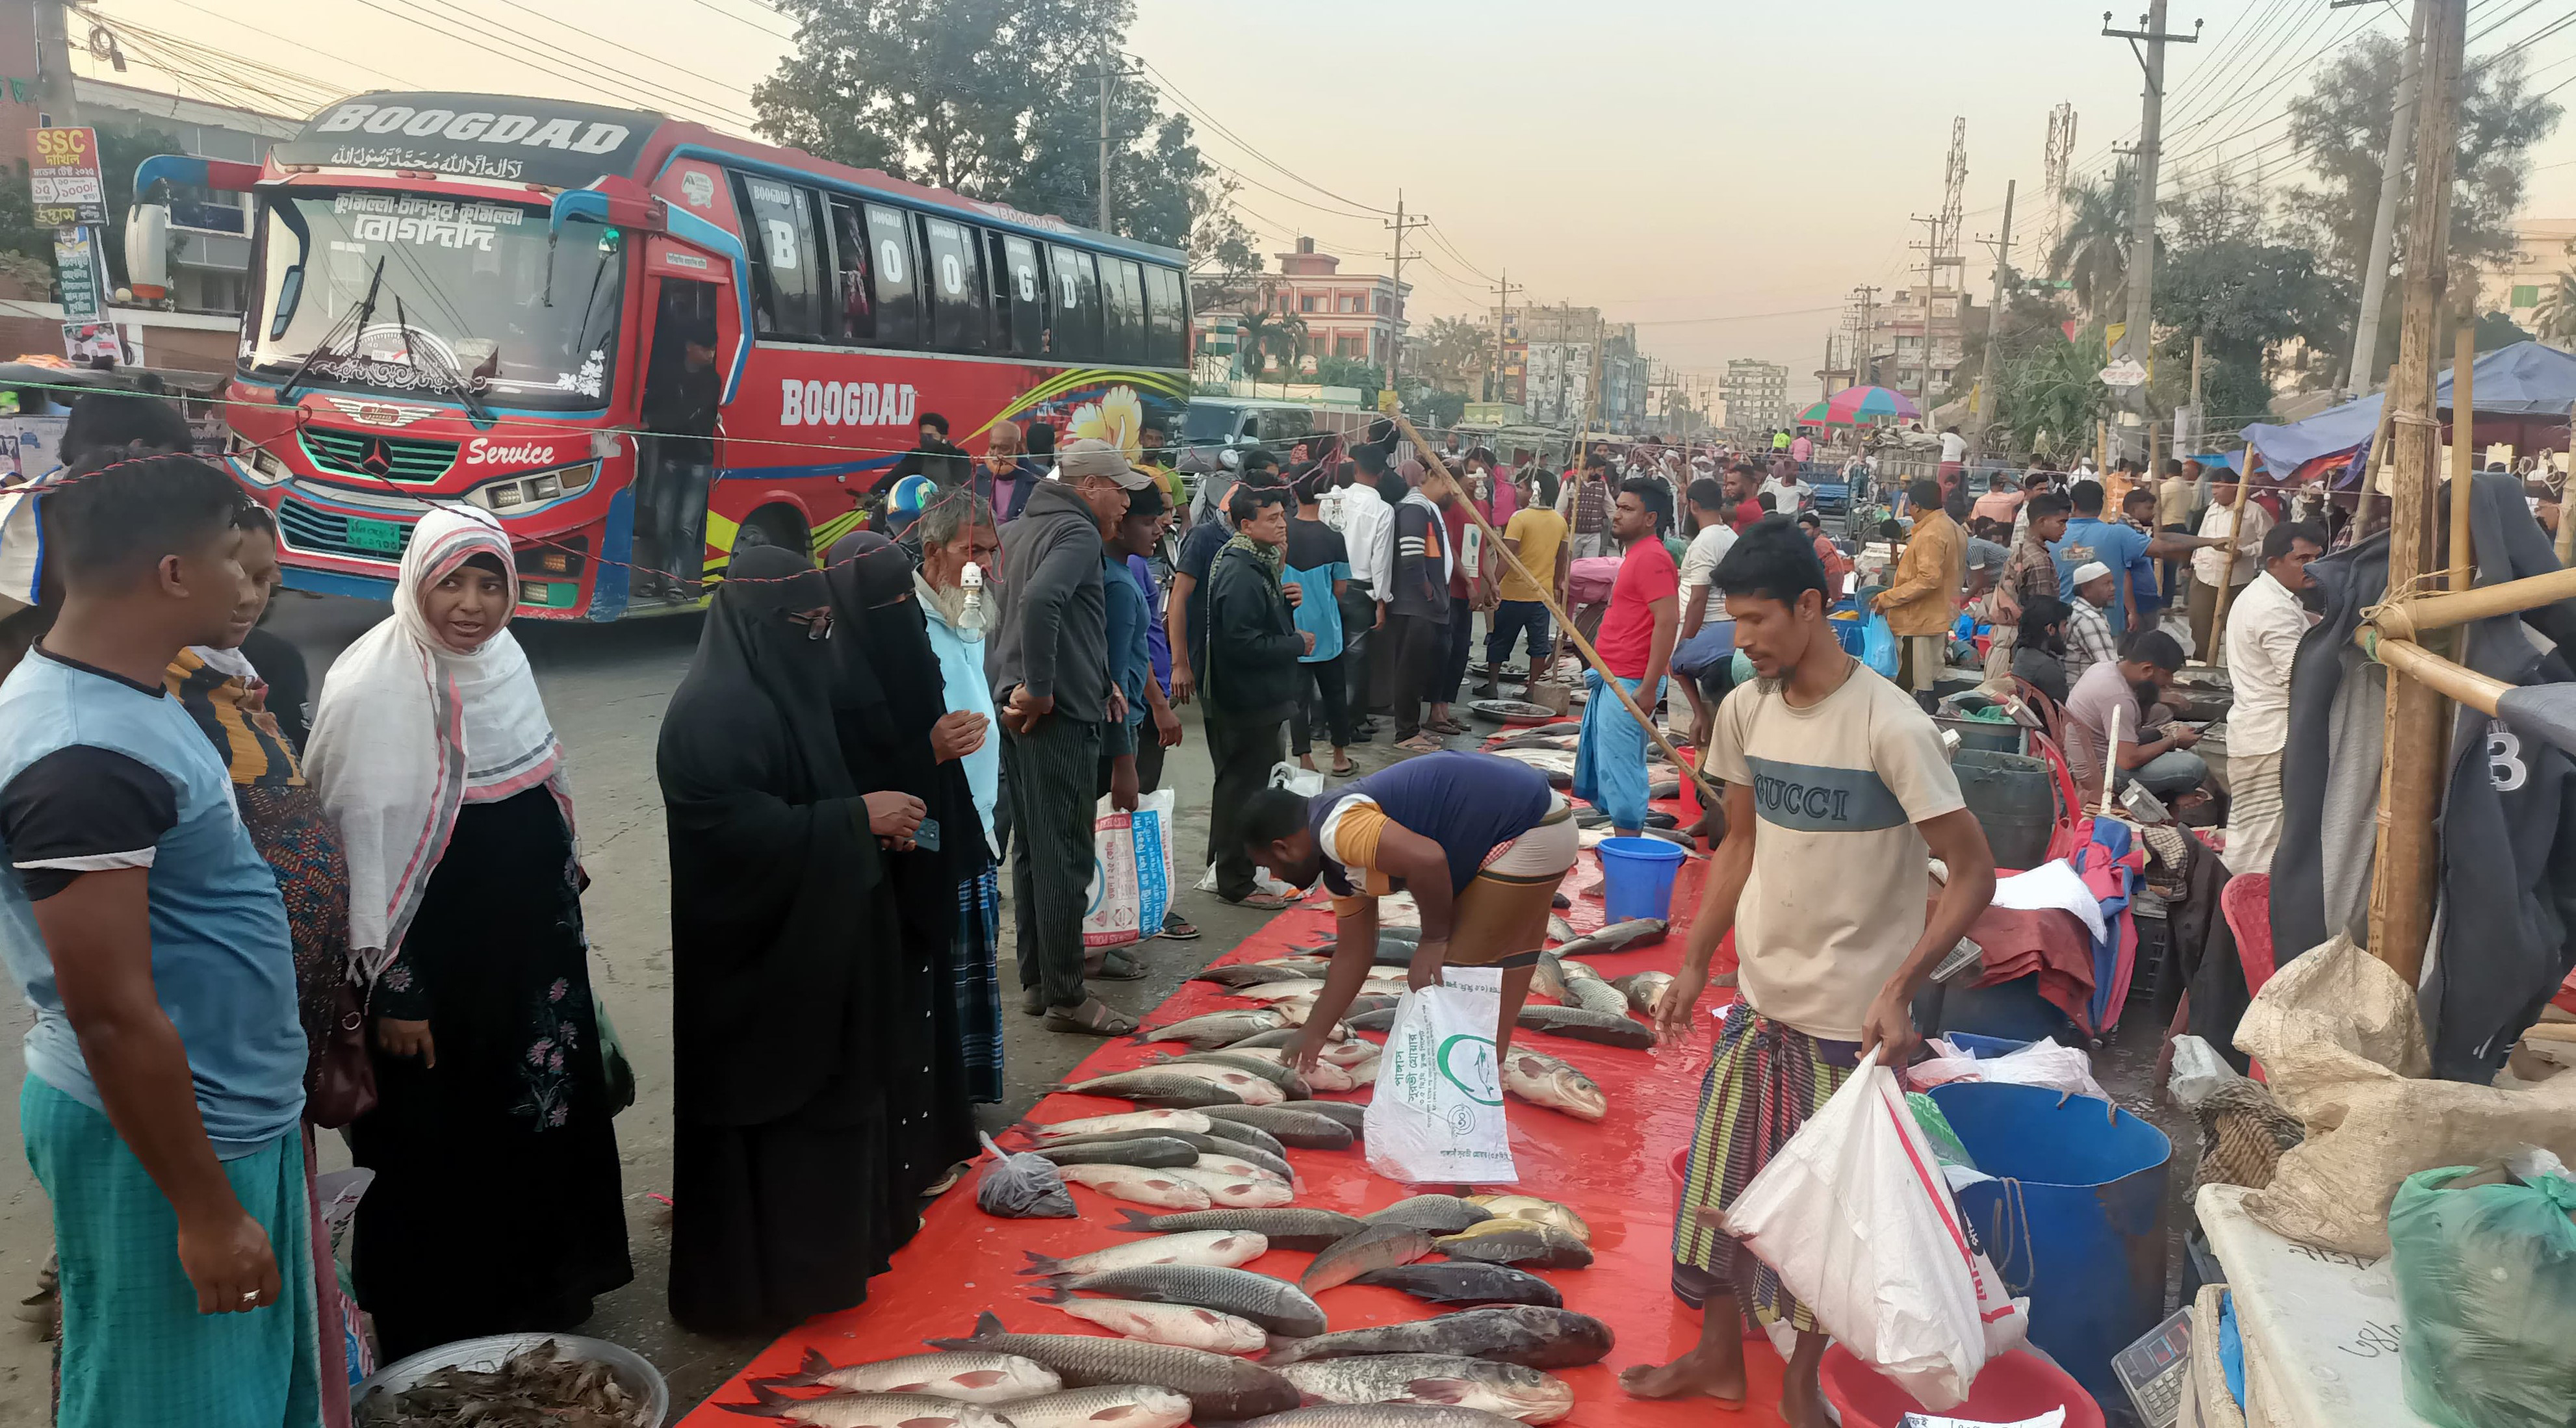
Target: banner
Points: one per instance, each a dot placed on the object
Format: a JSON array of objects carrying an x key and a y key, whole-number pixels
[
  {"x": 87, "y": 342},
  {"x": 77, "y": 267},
  {"x": 63, "y": 177}
]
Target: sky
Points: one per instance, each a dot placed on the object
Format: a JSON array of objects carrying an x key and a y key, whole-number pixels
[{"x": 1721, "y": 174}]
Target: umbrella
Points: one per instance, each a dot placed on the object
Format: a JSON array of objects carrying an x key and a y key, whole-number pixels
[{"x": 1860, "y": 406}]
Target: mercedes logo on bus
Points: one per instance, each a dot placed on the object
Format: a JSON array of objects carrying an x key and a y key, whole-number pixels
[{"x": 378, "y": 461}]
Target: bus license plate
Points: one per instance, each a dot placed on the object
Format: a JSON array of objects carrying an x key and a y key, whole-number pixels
[{"x": 383, "y": 537}]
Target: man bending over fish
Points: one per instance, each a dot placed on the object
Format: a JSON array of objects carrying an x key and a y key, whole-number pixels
[
  {"x": 1836, "y": 790},
  {"x": 1481, "y": 842}
]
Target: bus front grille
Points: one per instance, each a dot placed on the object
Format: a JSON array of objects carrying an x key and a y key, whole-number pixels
[
  {"x": 384, "y": 458},
  {"x": 319, "y": 532}
]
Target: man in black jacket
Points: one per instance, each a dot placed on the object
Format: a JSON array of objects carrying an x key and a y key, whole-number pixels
[{"x": 1250, "y": 685}]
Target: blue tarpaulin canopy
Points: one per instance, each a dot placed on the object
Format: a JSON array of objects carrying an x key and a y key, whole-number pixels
[{"x": 2528, "y": 386}]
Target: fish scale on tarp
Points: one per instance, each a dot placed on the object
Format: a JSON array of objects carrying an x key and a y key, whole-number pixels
[{"x": 964, "y": 1262}]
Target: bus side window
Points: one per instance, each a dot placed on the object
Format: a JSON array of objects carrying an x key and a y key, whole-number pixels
[
  {"x": 1122, "y": 291},
  {"x": 956, "y": 286},
  {"x": 1167, "y": 318},
  {"x": 786, "y": 282},
  {"x": 1023, "y": 287},
  {"x": 1074, "y": 328},
  {"x": 857, "y": 301},
  {"x": 897, "y": 275}
]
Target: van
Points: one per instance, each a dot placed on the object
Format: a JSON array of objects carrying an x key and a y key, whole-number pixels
[{"x": 1215, "y": 424}]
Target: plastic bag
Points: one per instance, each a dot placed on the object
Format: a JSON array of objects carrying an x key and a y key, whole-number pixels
[
  {"x": 1878, "y": 646},
  {"x": 2198, "y": 1071},
  {"x": 1305, "y": 783},
  {"x": 1437, "y": 1115},
  {"x": 1854, "y": 1216},
  {"x": 613, "y": 1065},
  {"x": 2042, "y": 1063},
  {"x": 1021, "y": 1187},
  {"x": 1936, "y": 1129},
  {"x": 2486, "y": 1282},
  {"x": 1131, "y": 871}
]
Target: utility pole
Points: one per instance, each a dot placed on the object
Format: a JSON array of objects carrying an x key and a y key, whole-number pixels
[
  {"x": 1931, "y": 248},
  {"x": 2414, "y": 744},
  {"x": 1503, "y": 291},
  {"x": 2383, "y": 225},
  {"x": 1395, "y": 342},
  {"x": 55, "y": 105},
  {"x": 1994, "y": 323},
  {"x": 1104, "y": 143},
  {"x": 1868, "y": 337},
  {"x": 2137, "y": 342}
]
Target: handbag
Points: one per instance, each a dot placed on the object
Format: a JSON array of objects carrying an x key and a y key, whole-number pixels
[{"x": 344, "y": 1077}]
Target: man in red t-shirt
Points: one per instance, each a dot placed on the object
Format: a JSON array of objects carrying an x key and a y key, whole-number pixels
[
  {"x": 1743, "y": 482},
  {"x": 1636, "y": 641}
]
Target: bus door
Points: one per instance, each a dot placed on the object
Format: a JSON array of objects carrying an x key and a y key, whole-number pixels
[{"x": 675, "y": 461}]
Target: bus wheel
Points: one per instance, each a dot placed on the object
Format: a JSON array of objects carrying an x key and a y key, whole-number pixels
[{"x": 772, "y": 525}]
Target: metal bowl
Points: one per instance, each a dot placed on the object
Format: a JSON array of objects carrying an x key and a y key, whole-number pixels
[{"x": 483, "y": 1355}]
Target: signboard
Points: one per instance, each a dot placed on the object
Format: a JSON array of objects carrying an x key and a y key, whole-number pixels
[
  {"x": 63, "y": 177},
  {"x": 82, "y": 275},
  {"x": 2127, "y": 372},
  {"x": 87, "y": 342},
  {"x": 547, "y": 141}
]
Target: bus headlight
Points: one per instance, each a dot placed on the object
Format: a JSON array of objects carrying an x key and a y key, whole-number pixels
[
  {"x": 520, "y": 492},
  {"x": 259, "y": 463}
]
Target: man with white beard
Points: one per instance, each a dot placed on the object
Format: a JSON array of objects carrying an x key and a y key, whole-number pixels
[{"x": 958, "y": 535}]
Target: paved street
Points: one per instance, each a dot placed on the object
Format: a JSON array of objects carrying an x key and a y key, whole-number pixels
[{"x": 605, "y": 687}]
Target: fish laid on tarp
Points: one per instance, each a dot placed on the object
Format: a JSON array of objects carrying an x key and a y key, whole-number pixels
[
  {"x": 1617, "y": 937},
  {"x": 1532, "y": 1208},
  {"x": 1301, "y": 964},
  {"x": 1664, "y": 788},
  {"x": 1379, "y": 1415},
  {"x": 1220, "y": 1388},
  {"x": 1280, "y": 991},
  {"x": 1216, "y": 1028},
  {"x": 969, "y": 1377},
  {"x": 1466, "y": 1282},
  {"x": 1239, "y": 1134},
  {"x": 1152, "y": 1152},
  {"x": 1351, "y": 1114},
  {"x": 1187, "y": 1325},
  {"x": 1586, "y": 1025},
  {"x": 1124, "y": 1121},
  {"x": 1236, "y": 1190},
  {"x": 1594, "y": 994},
  {"x": 1440, "y": 1214},
  {"x": 1546, "y": 761},
  {"x": 1300, "y": 1127},
  {"x": 1284, "y": 1228},
  {"x": 1508, "y": 1390},
  {"x": 1292, "y": 1086},
  {"x": 1645, "y": 990},
  {"x": 1203, "y": 1144},
  {"x": 1328, "y": 1075},
  {"x": 1162, "y": 1087},
  {"x": 1544, "y": 1080},
  {"x": 1382, "y": 1019},
  {"x": 1223, "y": 1249},
  {"x": 1250, "y": 1087},
  {"x": 1558, "y": 929},
  {"x": 1503, "y": 1241},
  {"x": 1117, "y": 1405},
  {"x": 1224, "y": 1162},
  {"x": 833, "y": 1410},
  {"x": 1272, "y": 1302},
  {"x": 1253, "y": 974},
  {"x": 1548, "y": 977},
  {"x": 1530, "y": 1335},
  {"x": 1166, "y": 1189},
  {"x": 1364, "y": 1074},
  {"x": 1380, "y": 1246}
]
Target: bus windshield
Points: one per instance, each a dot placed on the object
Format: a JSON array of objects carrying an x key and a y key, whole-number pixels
[{"x": 434, "y": 296}]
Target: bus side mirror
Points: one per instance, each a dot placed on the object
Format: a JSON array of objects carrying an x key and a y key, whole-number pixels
[
  {"x": 147, "y": 251},
  {"x": 290, "y": 288}
]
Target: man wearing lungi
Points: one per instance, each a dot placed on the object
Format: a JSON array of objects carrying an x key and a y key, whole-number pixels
[{"x": 1836, "y": 792}]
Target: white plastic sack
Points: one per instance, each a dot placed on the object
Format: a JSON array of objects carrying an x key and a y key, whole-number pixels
[
  {"x": 1305, "y": 783},
  {"x": 2199, "y": 1072},
  {"x": 1854, "y": 1217},
  {"x": 1437, "y": 1113},
  {"x": 2042, "y": 1063},
  {"x": 1131, "y": 871}
]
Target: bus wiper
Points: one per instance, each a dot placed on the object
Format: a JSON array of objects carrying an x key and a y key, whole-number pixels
[
  {"x": 365, "y": 309},
  {"x": 444, "y": 370}
]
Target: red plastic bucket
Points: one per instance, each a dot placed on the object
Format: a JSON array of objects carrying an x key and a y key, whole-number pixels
[{"x": 2019, "y": 1385}]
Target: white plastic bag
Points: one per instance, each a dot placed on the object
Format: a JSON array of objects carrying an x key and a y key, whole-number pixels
[
  {"x": 1305, "y": 783},
  {"x": 2042, "y": 1063},
  {"x": 1854, "y": 1217},
  {"x": 1131, "y": 871},
  {"x": 1437, "y": 1113}
]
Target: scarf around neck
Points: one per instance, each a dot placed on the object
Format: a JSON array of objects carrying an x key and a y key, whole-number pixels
[{"x": 1273, "y": 558}]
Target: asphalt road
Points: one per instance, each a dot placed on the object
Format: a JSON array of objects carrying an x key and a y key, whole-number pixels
[{"x": 605, "y": 687}]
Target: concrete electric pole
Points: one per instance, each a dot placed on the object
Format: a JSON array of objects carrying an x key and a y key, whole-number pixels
[
  {"x": 55, "y": 106},
  {"x": 2383, "y": 225},
  {"x": 1994, "y": 324},
  {"x": 1104, "y": 145},
  {"x": 2137, "y": 340},
  {"x": 1395, "y": 339},
  {"x": 1503, "y": 291}
]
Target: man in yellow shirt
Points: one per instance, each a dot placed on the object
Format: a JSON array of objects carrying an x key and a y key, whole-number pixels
[
  {"x": 1536, "y": 534},
  {"x": 1924, "y": 601}
]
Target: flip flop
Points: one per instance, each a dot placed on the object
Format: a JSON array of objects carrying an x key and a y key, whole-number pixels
[
  {"x": 1345, "y": 769},
  {"x": 1092, "y": 1017},
  {"x": 1180, "y": 929},
  {"x": 1116, "y": 966},
  {"x": 1420, "y": 744}
]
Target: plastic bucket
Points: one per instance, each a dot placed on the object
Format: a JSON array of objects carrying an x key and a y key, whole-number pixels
[
  {"x": 2075, "y": 1217},
  {"x": 2013, "y": 795},
  {"x": 2017, "y": 1386},
  {"x": 1637, "y": 877}
]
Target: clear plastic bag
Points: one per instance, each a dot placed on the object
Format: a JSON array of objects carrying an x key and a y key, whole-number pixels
[
  {"x": 2486, "y": 1280},
  {"x": 1022, "y": 1187}
]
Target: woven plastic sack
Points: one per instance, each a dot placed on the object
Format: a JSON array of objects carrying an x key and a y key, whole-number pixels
[{"x": 2486, "y": 1282}]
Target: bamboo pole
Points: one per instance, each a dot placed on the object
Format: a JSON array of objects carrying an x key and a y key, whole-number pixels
[
  {"x": 2464, "y": 460},
  {"x": 2101, "y": 451},
  {"x": 1547, "y": 596},
  {"x": 2566, "y": 526},
  {"x": 2216, "y": 654},
  {"x": 2478, "y": 691},
  {"x": 2420, "y": 615},
  {"x": 2378, "y": 461}
]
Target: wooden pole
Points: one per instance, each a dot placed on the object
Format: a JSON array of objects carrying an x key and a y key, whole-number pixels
[
  {"x": 1547, "y": 596},
  {"x": 2216, "y": 654},
  {"x": 2101, "y": 450},
  {"x": 2478, "y": 691},
  {"x": 2378, "y": 461},
  {"x": 2464, "y": 458},
  {"x": 2414, "y": 741},
  {"x": 2420, "y": 615},
  {"x": 2566, "y": 523}
]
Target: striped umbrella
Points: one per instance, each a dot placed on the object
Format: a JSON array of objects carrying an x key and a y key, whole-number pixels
[{"x": 1860, "y": 406}]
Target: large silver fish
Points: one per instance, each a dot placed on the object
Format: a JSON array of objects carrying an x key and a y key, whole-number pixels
[
  {"x": 1224, "y": 1249},
  {"x": 1216, "y": 1028},
  {"x": 1440, "y": 1214},
  {"x": 1617, "y": 937},
  {"x": 1117, "y": 1405},
  {"x": 1187, "y": 1325},
  {"x": 1532, "y": 1208},
  {"x": 1165, "y": 1189},
  {"x": 1593, "y": 994},
  {"x": 1506, "y": 1241},
  {"x": 1271, "y": 1302},
  {"x": 1274, "y": 1070},
  {"x": 1505, "y": 1389},
  {"x": 1240, "y": 1133},
  {"x": 1544, "y": 1080},
  {"x": 1253, "y": 974},
  {"x": 1351, "y": 1114},
  {"x": 1298, "y": 1125},
  {"x": 1151, "y": 1151},
  {"x": 1329, "y": 1074},
  {"x": 1219, "y": 1388},
  {"x": 869, "y": 1410},
  {"x": 1380, "y": 1246},
  {"x": 1380, "y": 1415},
  {"x": 1585, "y": 1025},
  {"x": 1525, "y": 1334},
  {"x": 1284, "y": 1227},
  {"x": 1466, "y": 1282},
  {"x": 1123, "y": 1121},
  {"x": 972, "y": 1376},
  {"x": 1548, "y": 979},
  {"x": 1161, "y": 1086},
  {"x": 1645, "y": 990},
  {"x": 1250, "y": 1087},
  {"x": 1241, "y": 1149}
]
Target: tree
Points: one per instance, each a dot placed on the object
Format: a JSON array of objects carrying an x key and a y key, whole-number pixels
[
  {"x": 1449, "y": 353},
  {"x": 1350, "y": 372},
  {"x": 2244, "y": 299},
  {"x": 2051, "y": 397},
  {"x": 2092, "y": 251},
  {"x": 1269, "y": 334},
  {"x": 2496, "y": 330},
  {"x": 2556, "y": 316}
]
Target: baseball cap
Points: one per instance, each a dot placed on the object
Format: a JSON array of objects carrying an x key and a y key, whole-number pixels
[
  {"x": 2090, "y": 571},
  {"x": 1091, "y": 456}
]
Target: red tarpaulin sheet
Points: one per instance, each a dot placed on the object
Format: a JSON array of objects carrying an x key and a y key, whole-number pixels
[{"x": 1618, "y": 1175}]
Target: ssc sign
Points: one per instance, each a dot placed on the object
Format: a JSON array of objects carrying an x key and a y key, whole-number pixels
[{"x": 63, "y": 178}]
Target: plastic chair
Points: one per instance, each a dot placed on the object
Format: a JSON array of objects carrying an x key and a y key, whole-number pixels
[{"x": 2246, "y": 902}]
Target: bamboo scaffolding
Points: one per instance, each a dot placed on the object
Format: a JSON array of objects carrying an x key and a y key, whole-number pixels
[
  {"x": 2464, "y": 460},
  {"x": 2452, "y": 681},
  {"x": 2413, "y": 617}
]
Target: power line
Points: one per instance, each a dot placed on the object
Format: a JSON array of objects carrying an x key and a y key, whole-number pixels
[
  {"x": 612, "y": 44},
  {"x": 1171, "y": 91}
]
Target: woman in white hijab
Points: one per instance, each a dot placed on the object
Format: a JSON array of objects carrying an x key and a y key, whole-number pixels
[{"x": 496, "y": 1206}]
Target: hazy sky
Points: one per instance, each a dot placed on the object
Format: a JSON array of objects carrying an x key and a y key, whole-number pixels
[{"x": 1720, "y": 173}]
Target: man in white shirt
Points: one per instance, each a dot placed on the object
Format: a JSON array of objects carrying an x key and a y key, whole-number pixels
[
  {"x": 1702, "y": 609},
  {"x": 1367, "y": 525},
  {"x": 2264, "y": 627},
  {"x": 2209, "y": 564}
]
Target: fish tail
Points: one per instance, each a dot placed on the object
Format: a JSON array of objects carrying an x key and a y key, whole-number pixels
[
  {"x": 1055, "y": 1293},
  {"x": 766, "y": 1403},
  {"x": 1136, "y": 1222},
  {"x": 806, "y": 1376},
  {"x": 1042, "y": 1264}
]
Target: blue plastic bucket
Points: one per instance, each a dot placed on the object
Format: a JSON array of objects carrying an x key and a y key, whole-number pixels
[
  {"x": 2075, "y": 1217},
  {"x": 1637, "y": 877}
]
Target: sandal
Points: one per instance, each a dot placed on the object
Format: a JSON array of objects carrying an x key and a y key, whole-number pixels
[
  {"x": 1091, "y": 1017},
  {"x": 1448, "y": 726},
  {"x": 1115, "y": 966},
  {"x": 1345, "y": 769},
  {"x": 1263, "y": 901},
  {"x": 1179, "y": 929},
  {"x": 1420, "y": 744}
]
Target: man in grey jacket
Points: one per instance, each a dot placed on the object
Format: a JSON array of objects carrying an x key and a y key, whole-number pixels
[{"x": 1051, "y": 677}]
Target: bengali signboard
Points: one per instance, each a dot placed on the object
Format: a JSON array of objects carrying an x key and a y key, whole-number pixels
[
  {"x": 80, "y": 274},
  {"x": 64, "y": 177}
]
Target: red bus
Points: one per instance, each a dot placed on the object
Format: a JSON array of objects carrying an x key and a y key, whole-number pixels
[{"x": 472, "y": 298}]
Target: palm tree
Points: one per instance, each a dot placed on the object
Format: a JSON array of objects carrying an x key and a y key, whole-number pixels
[
  {"x": 2555, "y": 317},
  {"x": 2092, "y": 251},
  {"x": 1270, "y": 331}
]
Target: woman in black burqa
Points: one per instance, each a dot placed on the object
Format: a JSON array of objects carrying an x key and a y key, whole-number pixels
[{"x": 797, "y": 1171}]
